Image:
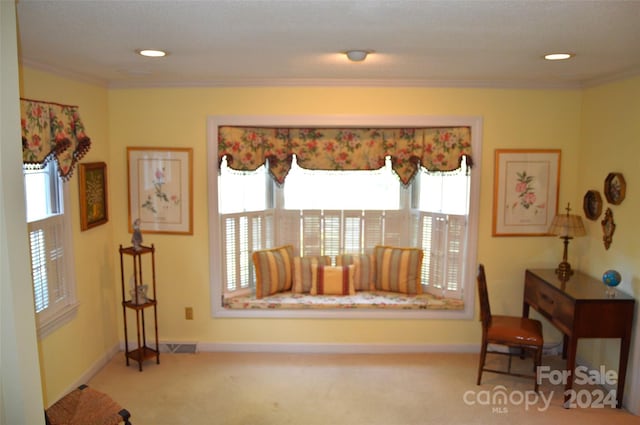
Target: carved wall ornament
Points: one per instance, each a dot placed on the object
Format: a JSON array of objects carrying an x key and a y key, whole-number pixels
[{"x": 608, "y": 227}]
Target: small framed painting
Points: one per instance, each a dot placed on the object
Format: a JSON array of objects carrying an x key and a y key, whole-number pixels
[
  {"x": 161, "y": 189},
  {"x": 92, "y": 179},
  {"x": 525, "y": 191}
]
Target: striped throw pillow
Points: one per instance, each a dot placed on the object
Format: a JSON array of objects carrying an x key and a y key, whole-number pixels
[
  {"x": 398, "y": 269},
  {"x": 328, "y": 280},
  {"x": 302, "y": 272},
  {"x": 364, "y": 278},
  {"x": 274, "y": 270}
]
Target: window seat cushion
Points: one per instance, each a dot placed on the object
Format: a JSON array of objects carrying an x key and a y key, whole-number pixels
[{"x": 361, "y": 300}]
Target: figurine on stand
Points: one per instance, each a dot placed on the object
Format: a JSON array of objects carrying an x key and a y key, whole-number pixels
[{"x": 136, "y": 239}]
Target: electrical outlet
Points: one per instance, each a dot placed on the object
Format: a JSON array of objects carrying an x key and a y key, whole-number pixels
[{"x": 188, "y": 313}]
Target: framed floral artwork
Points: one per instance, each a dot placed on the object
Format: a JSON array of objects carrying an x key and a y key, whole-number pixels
[
  {"x": 94, "y": 208},
  {"x": 525, "y": 191},
  {"x": 161, "y": 189}
]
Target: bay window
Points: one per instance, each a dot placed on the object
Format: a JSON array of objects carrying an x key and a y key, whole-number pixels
[{"x": 341, "y": 209}]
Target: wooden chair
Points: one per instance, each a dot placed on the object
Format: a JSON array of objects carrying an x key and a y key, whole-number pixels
[
  {"x": 510, "y": 331},
  {"x": 86, "y": 406}
]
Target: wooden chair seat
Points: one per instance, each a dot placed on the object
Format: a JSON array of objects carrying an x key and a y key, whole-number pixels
[{"x": 86, "y": 406}]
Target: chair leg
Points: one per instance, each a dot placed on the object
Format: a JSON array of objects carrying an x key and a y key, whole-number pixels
[{"x": 483, "y": 356}]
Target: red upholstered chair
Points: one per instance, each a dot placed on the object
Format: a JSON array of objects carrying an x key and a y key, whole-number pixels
[{"x": 511, "y": 331}]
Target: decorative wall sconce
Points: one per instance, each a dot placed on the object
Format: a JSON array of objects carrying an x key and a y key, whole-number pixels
[{"x": 608, "y": 227}]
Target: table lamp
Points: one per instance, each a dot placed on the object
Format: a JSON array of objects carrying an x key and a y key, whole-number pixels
[{"x": 567, "y": 226}]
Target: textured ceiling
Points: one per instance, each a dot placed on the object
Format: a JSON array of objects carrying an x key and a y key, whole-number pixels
[{"x": 249, "y": 42}]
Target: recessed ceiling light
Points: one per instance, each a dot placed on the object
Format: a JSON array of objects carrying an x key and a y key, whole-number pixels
[
  {"x": 558, "y": 56},
  {"x": 150, "y": 53}
]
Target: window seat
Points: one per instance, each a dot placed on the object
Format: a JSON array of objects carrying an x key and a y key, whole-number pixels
[{"x": 362, "y": 300}]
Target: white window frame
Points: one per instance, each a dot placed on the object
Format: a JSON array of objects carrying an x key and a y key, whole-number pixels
[
  {"x": 215, "y": 238},
  {"x": 59, "y": 313}
]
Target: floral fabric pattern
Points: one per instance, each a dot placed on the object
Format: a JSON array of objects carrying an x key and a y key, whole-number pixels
[
  {"x": 52, "y": 131},
  {"x": 361, "y": 300},
  {"x": 437, "y": 149}
]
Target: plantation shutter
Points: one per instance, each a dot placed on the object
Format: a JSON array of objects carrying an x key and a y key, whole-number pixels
[
  {"x": 373, "y": 229},
  {"x": 47, "y": 261},
  {"x": 456, "y": 246},
  {"x": 443, "y": 243},
  {"x": 311, "y": 233},
  {"x": 288, "y": 229},
  {"x": 331, "y": 233},
  {"x": 242, "y": 234},
  {"x": 353, "y": 231},
  {"x": 395, "y": 228}
]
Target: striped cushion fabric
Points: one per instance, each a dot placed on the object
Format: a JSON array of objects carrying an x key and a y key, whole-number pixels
[
  {"x": 328, "y": 280},
  {"x": 398, "y": 269},
  {"x": 364, "y": 278},
  {"x": 274, "y": 270},
  {"x": 302, "y": 272}
]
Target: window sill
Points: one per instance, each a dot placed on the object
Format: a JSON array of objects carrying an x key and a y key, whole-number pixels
[
  {"x": 362, "y": 305},
  {"x": 53, "y": 323}
]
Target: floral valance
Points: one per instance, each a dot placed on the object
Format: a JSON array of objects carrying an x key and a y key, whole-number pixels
[
  {"x": 434, "y": 148},
  {"x": 52, "y": 131}
]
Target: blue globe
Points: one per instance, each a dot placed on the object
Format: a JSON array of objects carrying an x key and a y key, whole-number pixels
[{"x": 611, "y": 278}]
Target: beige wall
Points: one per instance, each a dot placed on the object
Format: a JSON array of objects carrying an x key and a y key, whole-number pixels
[
  {"x": 81, "y": 345},
  {"x": 609, "y": 143},
  {"x": 176, "y": 117}
]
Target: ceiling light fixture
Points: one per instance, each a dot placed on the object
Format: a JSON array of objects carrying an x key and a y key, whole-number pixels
[
  {"x": 150, "y": 53},
  {"x": 558, "y": 56},
  {"x": 357, "y": 55}
]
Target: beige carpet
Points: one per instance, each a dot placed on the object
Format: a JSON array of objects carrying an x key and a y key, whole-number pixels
[{"x": 333, "y": 389}]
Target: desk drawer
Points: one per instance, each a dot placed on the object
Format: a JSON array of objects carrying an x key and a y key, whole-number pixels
[{"x": 551, "y": 303}]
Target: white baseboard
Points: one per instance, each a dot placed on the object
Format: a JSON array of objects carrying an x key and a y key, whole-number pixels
[{"x": 336, "y": 348}]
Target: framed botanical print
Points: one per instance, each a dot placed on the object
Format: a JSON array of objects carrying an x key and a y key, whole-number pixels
[
  {"x": 94, "y": 209},
  {"x": 161, "y": 189},
  {"x": 525, "y": 191}
]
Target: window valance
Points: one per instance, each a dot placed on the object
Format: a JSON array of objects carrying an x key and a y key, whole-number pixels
[
  {"x": 52, "y": 131},
  {"x": 434, "y": 148}
]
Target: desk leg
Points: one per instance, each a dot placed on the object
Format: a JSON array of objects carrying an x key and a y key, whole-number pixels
[
  {"x": 571, "y": 346},
  {"x": 625, "y": 344},
  {"x": 565, "y": 344}
]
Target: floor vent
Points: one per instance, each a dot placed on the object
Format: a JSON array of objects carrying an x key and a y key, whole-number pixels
[{"x": 179, "y": 348}]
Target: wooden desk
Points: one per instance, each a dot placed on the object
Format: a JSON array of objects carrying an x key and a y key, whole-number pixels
[{"x": 581, "y": 309}]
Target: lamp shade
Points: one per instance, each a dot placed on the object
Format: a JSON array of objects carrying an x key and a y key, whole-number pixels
[{"x": 567, "y": 225}]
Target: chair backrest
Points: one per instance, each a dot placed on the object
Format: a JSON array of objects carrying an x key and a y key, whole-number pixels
[{"x": 485, "y": 308}]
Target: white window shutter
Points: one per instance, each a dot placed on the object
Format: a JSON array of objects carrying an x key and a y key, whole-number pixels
[
  {"x": 373, "y": 224},
  {"x": 353, "y": 232},
  {"x": 311, "y": 233},
  {"x": 396, "y": 228},
  {"x": 332, "y": 234},
  {"x": 288, "y": 228},
  {"x": 456, "y": 252}
]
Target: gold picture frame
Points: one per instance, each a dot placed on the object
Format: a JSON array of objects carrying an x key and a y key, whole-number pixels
[
  {"x": 160, "y": 184},
  {"x": 94, "y": 207},
  {"x": 525, "y": 191}
]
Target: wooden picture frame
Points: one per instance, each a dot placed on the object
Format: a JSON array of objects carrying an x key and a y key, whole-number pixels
[
  {"x": 160, "y": 184},
  {"x": 592, "y": 204},
  {"x": 525, "y": 191},
  {"x": 615, "y": 188},
  {"x": 92, "y": 187}
]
